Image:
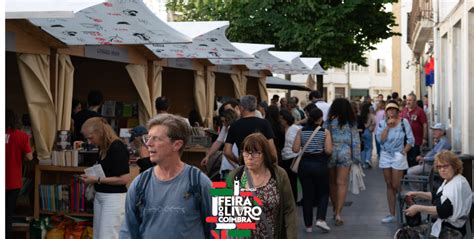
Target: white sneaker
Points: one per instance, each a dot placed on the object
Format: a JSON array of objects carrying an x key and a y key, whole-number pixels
[
  {"x": 309, "y": 229},
  {"x": 323, "y": 225},
  {"x": 389, "y": 219}
]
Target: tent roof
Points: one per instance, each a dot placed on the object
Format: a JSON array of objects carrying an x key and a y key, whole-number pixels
[
  {"x": 318, "y": 70},
  {"x": 279, "y": 83},
  {"x": 22, "y": 9},
  {"x": 209, "y": 41},
  {"x": 310, "y": 61},
  {"x": 253, "y": 49},
  {"x": 287, "y": 56},
  {"x": 113, "y": 22},
  {"x": 195, "y": 29}
]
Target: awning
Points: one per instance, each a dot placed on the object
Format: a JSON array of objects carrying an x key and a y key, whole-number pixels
[
  {"x": 208, "y": 41},
  {"x": 23, "y": 9},
  {"x": 113, "y": 22},
  {"x": 252, "y": 49},
  {"x": 279, "y": 83}
]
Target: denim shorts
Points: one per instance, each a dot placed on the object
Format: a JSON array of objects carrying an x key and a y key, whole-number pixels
[
  {"x": 396, "y": 160},
  {"x": 340, "y": 159}
]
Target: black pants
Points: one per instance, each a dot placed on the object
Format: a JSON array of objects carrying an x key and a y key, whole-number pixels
[
  {"x": 412, "y": 154},
  {"x": 314, "y": 177},
  {"x": 10, "y": 201},
  {"x": 285, "y": 164}
]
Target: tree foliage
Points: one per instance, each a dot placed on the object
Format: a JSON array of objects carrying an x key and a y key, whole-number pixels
[{"x": 337, "y": 31}]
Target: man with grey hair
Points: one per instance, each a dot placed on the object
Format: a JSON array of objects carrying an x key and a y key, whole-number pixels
[
  {"x": 419, "y": 125},
  {"x": 246, "y": 125},
  {"x": 171, "y": 199}
]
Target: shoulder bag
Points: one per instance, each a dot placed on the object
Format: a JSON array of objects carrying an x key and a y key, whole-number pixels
[{"x": 296, "y": 163}]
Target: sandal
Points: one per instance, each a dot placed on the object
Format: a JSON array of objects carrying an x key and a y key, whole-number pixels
[{"x": 339, "y": 222}]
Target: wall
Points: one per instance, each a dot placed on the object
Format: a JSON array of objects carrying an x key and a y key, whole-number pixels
[
  {"x": 178, "y": 86},
  {"x": 224, "y": 85},
  {"x": 252, "y": 87},
  {"x": 15, "y": 97}
]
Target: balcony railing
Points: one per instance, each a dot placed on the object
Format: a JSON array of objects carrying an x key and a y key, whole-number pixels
[{"x": 421, "y": 10}]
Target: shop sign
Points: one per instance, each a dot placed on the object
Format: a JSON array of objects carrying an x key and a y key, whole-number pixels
[{"x": 110, "y": 53}]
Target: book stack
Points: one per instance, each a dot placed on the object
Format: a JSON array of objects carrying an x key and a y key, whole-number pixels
[{"x": 65, "y": 158}]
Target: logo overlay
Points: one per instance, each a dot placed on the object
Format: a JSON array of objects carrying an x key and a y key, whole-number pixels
[{"x": 235, "y": 211}]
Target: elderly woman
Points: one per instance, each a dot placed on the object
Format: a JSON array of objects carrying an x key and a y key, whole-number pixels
[
  {"x": 109, "y": 201},
  {"x": 271, "y": 185},
  {"x": 396, "y": 138},
  {"x": 342, "y": 125},
  {"x": 451, "y": 203}
]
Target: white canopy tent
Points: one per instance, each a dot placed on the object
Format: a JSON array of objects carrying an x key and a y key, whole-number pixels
[
  {"x": 279, "y": 83},
  {"x": 23, "y": 9},
  {"x": 253, "y": 63},
  {"x": 208, "y": 42},
  {"x": 110, "y": 23}
]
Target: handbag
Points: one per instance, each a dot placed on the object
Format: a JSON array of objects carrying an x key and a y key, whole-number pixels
[{"x": 296, "y": 163}]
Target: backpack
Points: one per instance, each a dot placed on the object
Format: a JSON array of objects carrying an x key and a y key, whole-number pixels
[
  {"x": 194, "y": 190},
  {"x": 213, "y": 167}
]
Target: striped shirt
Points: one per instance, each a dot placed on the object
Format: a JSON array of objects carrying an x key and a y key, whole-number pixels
[{"x": 317, "y": 143}]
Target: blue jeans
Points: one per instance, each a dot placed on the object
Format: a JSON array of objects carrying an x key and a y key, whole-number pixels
[{"x": 366, "y": 153}]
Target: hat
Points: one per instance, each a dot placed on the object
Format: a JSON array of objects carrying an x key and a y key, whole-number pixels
[
  {"x": 439, "y": 126},
  {"x": 392, "y": 105},
  {"x": 137, "y": 132}
]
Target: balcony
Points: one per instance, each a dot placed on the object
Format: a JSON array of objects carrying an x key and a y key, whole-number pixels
[{"x": 420, "y": 25}]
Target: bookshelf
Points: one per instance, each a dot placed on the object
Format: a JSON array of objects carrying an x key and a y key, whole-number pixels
[{"x": 56, "y": 175}]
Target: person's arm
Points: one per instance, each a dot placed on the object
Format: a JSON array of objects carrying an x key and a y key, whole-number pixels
[
  {"x": 29, "y": 156},
  {"x": 442, "y": 145},
  {"x": 410, "y": 137},
  {"x": 228, "y": 153},
  {"x": 297, "y": 144},
  {"x": 411, "y": 211},
  {"x": 355, "y": 145},
  {"x": 130, "y": 227},
  {"x": 215, "y": 146},
  {"x": 419, "y": 194},
  {"x": 328, "y": 142},
  {"x": 425, "y": 134},
  {"x": 289, "y": 206}
]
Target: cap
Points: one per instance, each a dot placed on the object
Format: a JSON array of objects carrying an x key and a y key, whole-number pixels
[
  {"x": 137, "y": 132},
  {"x": 392, "y": 105},
  {"x": 439, "y": 126}
]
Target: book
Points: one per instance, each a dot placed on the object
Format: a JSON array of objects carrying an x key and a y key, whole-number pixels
[
  {"x": 108, "y": 108},
  {"x": 95, "y": 170},
  {"x": 63, "y": 140}
]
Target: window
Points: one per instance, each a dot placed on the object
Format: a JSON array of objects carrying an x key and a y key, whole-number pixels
[
  {"x": 380, "y": 65},
  {"x": 340, "y": 92}
]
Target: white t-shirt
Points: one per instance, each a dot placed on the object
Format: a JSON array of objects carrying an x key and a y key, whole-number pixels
[
  {"x": 290, "y": 136},
  {"x": 324, "y": 107},
  {"x": 225, "y": 164}
]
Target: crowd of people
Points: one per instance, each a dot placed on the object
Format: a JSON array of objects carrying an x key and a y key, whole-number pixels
[{"x": 260, "y": 143}]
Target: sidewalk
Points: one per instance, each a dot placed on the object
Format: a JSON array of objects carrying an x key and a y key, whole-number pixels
[{"x": 362, "y": 218}]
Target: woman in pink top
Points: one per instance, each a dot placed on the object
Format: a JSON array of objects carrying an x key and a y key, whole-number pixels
[{"x": 379, "y": 116}]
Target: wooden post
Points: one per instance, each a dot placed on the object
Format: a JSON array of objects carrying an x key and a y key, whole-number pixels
[
  {"x": 150, "y": 75},
  {"x": 53, "y": 73}
]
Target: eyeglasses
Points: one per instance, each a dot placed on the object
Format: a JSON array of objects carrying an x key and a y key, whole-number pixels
[
  {"x": 253, "y": 154},
  {"x": 153, "y": 138},
  {"x": 442, "y": 166}
]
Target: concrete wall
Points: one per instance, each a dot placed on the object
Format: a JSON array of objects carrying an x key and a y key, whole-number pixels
[{"x": 454, "y": 40}]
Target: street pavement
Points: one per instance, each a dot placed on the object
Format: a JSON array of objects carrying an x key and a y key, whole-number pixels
[{"x": 362, "y": 218}]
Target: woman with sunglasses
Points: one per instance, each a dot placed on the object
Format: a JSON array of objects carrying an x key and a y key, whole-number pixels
[
  {"x": 451, "y": 203},
  {"x": 271, "y": 184},
  {"x": 109, "y": 200}
]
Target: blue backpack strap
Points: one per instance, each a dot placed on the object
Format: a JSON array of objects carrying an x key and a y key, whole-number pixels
[
  {"x": 140, "y": 200},
  {"x": 195, "y": 191}
]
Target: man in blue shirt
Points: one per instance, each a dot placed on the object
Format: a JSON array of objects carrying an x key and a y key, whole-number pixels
[
  {"x": 426, "y": 162},
  {"x": 167, "y": 204}
]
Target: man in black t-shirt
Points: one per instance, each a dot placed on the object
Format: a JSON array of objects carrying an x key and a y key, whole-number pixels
[
  {"x": 246, "y": 125},
  {"x": 94, "y": 101}
]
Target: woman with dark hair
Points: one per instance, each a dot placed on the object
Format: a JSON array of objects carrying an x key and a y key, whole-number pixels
[
  {"x": 17, "y": 147},
  {"x": 367, "y": 120},
  {"x": 287, "y": 154},
  {"x": 396, "y": 139},
  {"x": 270, "y": 183},
  {"x": 342, "y": 125},
  {"x": 109, "y": 200},
  {"x": 273, "y": 117},
  {"x": 313, "y": 169}
]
